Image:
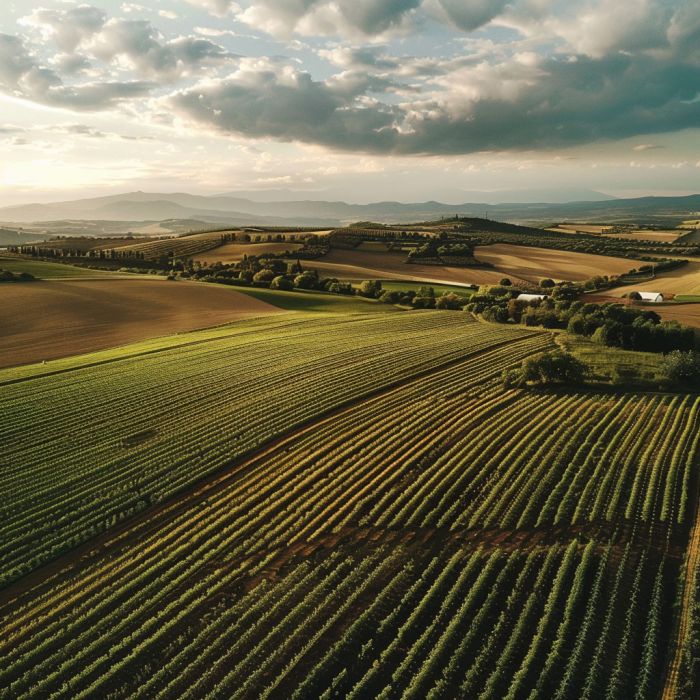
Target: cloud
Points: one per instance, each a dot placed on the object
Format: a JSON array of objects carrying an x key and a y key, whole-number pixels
[
  {"x": 92, "y": 133},
  {"x": 469, "y": 15},
  {"x": 286, "y": 104},
  {"x": 138, "y": 43},
  {"x": 220, "y": 8},
  {"x": 557, "y": 102},
  {"x": 66, "y": 28},
  {"x": 328, "y": 17},
  {"x": 86, "y": 31},
  {"x": 22, "y": 75}
]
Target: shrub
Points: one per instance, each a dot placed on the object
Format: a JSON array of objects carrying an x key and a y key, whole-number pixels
[
  {"x": 555, "y": 367},
  {"x": 264, "y": 276},
  {"x": 370, "y": 289},
  {"x": 451, "y": 302},
  {"x": 306, "y": 280},
  {"x": 681, "y": 367}
]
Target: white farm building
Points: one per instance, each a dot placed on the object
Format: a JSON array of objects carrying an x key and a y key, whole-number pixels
[
  {"x": 531, "y": 297},
  {"x": 653, "y": 297}
]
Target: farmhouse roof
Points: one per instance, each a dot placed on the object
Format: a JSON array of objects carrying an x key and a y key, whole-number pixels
[
  {"x": 651, "y": 296},
  {"x": 531, "y": 297}
]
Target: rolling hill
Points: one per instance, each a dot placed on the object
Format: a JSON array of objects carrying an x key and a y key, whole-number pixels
[{"x": 230, "y": 209}]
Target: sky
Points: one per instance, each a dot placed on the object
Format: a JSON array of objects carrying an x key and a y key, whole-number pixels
[{"x": 360, "y": 100}]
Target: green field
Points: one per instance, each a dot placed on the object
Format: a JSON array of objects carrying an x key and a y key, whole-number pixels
[
  {"x": 393, "y": 285},
  {"x": 606, "y": 362},
  {"x": 341, "y": 505},
  {"x": 313, "y": 301},
  {"x": 47, "y": 270}
]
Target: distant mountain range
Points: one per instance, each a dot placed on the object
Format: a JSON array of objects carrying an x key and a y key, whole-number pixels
[{"x": 234, "y": 210}]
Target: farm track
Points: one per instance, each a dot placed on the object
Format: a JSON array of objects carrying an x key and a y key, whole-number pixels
[
  {"x": 692, "y": 562},
  {"x": 157, "y": 517}
]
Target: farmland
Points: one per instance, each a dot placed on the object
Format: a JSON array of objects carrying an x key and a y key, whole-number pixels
[
  {"x": 683, "y": 280},
  {"x": 58, "y": 318},
  {"x": 366, "y": 264},
  {"x": 233, "y": 252},
  {"x": 394, "y": 523},
  {"x": 48, "y": 270},
  {"x": 535, "y": 263}
]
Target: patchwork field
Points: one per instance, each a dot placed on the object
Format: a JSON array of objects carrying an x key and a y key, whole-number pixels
[
  {"x": 52, "y": 319},
  {"x": 395, "y": 524},
  {"x": 525, "y": 262}
]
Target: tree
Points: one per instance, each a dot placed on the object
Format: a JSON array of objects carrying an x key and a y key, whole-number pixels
[
  {"x": 576, "y": 325},
  {"x": 306, "y": 280},
  {"x": 547, "y": 283},
  {"x": 450, "y": 302},
  {"x": 505, "y": 282},
  {"x": 264, "y": 276},
  {"x": 370, "y": 289},
  {"x": 390, "y": 297},
  {"x": 282, "y": 283},
  {"x": 681, "y": 367},
  {"x": 553, "y": 367}
]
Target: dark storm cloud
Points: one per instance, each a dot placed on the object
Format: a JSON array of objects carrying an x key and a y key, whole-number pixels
[
  {"x": 571, "y": 102},
  {"x": 289, "y": 107}
]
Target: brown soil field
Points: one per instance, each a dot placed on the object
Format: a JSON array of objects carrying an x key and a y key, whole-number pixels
[
  {"x": 52, "y": 319},
  {"x": 581, "y": 228},
  {"x": 683, "y": 280},
  {"x": 535, "y": 263},
  {"x": 365, "y": 264},
  {"x": 233, "y": 252},
  {"x": 669, "y": 236}
]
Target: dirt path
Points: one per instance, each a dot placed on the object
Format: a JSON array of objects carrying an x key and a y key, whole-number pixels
[{"x": 671, "y": 685}]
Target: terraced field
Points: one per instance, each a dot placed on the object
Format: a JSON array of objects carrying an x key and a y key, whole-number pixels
[{"x": 366, "y": 515}]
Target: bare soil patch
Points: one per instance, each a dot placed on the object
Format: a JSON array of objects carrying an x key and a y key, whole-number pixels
[{"x": 52, "y": 319}]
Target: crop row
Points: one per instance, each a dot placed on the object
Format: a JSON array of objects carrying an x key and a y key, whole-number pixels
[
  {"x": 85, "y": 449},
  {"x": 369, "y": 555}
]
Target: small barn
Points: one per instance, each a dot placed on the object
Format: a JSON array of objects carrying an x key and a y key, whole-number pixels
[
  {"x": 531, "y": 297},
  {"x": 653, "y": 297}
]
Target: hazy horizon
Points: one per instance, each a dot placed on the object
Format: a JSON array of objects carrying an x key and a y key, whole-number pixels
[{"x": 402, "y": 101}]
